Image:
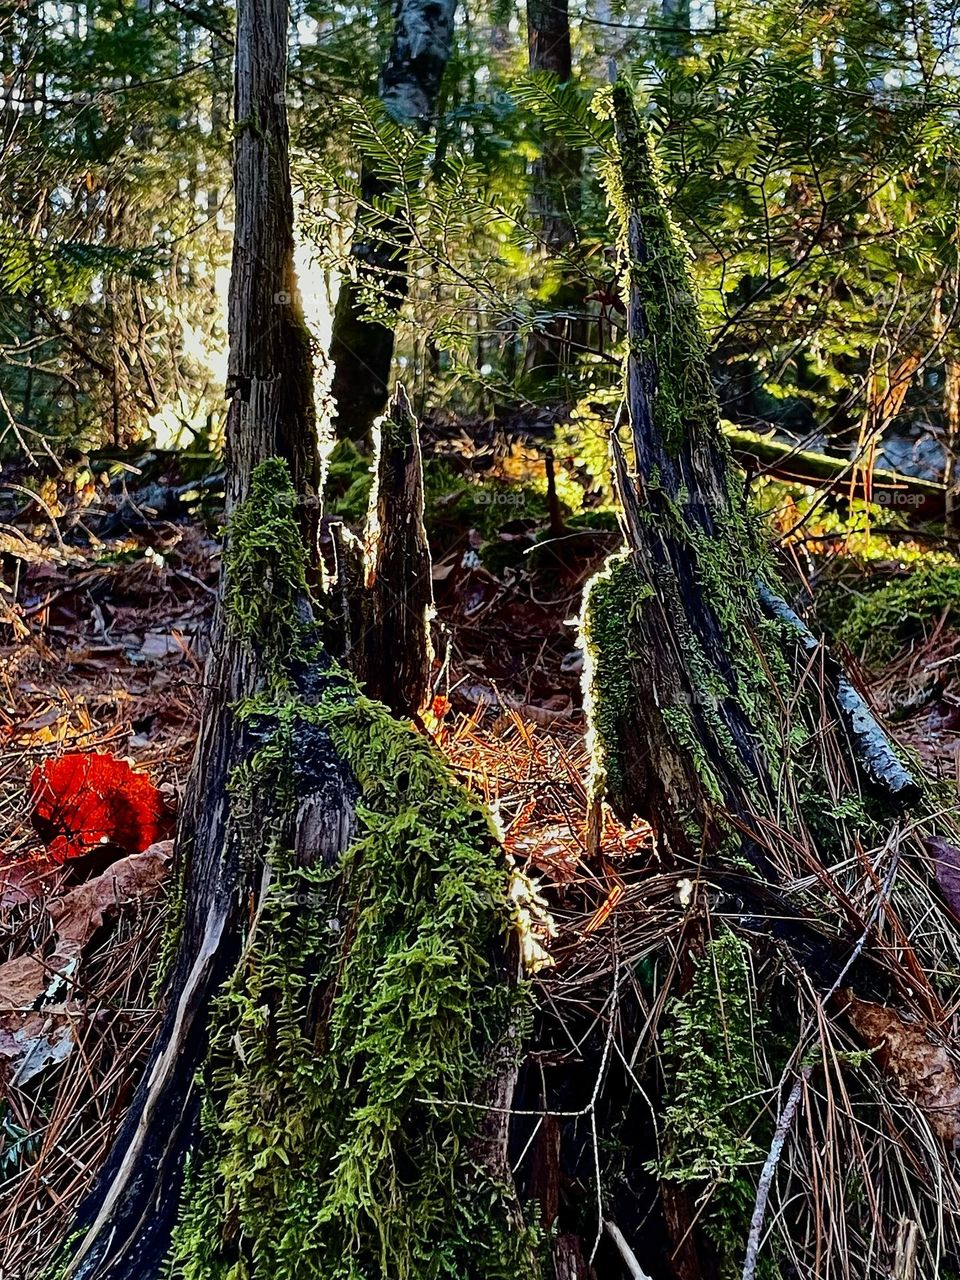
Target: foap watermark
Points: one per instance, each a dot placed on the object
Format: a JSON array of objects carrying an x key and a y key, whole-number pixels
[
  {"x": 906, "y": 499},
  {"x": 500, "y": 498}
]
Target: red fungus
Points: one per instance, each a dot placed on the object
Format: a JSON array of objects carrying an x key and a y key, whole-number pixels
[{"x": 85, "y": 802}]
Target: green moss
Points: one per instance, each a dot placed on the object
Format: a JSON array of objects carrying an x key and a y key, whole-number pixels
[
  {"x": 335, "y": 1140},
  {"x": 609, "y": 641},
  {"x": 716, "y": 1132},
  {"x": 882, "y": 622},
  {"x": 266, "y": 582},
  {"x": 685, "y": 399}
]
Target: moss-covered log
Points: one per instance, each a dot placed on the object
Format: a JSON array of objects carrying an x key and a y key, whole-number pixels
[{"x": 906, "y": 496}]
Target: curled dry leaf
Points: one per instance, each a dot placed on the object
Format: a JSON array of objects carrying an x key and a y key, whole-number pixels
[{"x": 923, "y": 1071}]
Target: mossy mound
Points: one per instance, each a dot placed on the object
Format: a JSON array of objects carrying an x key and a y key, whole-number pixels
[
  {"x": 338, "y": 1135},
  {"x": 900, "y": 612}
]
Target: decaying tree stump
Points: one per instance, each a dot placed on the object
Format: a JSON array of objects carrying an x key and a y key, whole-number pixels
[
  {"x": 717, "y": 717},
  {"x": 393, "y": 655},
  {"x": 341, "y": 976}
]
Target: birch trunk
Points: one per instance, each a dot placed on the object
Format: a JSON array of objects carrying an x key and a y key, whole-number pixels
[{"x": 361, "y": 348}]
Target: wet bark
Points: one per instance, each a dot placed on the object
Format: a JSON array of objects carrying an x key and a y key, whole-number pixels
[{"x": 361, "y": 348}]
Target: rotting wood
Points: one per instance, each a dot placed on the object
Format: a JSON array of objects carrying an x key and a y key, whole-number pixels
[{"x": 393, "y": 656}]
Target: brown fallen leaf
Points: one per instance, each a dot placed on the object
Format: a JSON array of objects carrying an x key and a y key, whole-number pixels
[
  {"x": 76, "y": 916},
  {"x": 924, "y": 1072},
  {"x": 946, "y": 863},
  {"x": 28, "y": 879}
]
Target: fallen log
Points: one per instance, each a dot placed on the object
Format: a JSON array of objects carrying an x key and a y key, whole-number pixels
[{"x": 916, "y": 500}]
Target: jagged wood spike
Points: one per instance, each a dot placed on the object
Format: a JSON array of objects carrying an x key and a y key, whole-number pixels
[
  {"x": 692, "y": 661},
  {"x": 393, "y": 657},
  {"x": 695, "y": 557}
]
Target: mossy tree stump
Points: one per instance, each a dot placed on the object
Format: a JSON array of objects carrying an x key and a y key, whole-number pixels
[
  {"x": 340, "y": 983},
  {"x": 707, "y": 722}
]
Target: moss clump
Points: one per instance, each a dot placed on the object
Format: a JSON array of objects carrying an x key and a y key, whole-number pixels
[
  {"x": 266, "y": 572},
  {"x": 715, "y": 1130},
  {"x": 609, "y": 641},
  {"x": 900, "y": 611},
  {"x": 335, "y": 1143}
]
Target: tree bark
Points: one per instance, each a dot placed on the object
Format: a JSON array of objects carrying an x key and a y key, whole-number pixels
[
  {"x": 555, "y": 186},
  {"x": 393, "y": 655},
  {"x": 124, "y": 1226},
  {"x": 694, "y": 559},
  {"x": 693, "y": 660},
  {"x": 361, "y": 348}
]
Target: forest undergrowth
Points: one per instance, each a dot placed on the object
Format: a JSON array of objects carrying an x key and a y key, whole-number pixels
[{"x": 103, "y": 643}]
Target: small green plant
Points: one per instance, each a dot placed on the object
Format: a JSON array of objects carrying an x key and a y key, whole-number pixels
[
  {"x": 901, "y": 611},
  {"x": 713, "y": 1131}
]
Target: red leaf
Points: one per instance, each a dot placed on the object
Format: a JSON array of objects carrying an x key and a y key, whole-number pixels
[{"x": 85, "y": 801}]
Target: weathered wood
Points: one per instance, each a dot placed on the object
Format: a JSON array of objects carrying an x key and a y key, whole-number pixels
[
  {"x": 393, "y": 656},
  {"x": 694, "y": 735},
  {"x": 123, "y": 1227}
]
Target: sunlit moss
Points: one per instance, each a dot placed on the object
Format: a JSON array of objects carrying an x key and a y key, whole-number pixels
[{"x": 335, "y": 1139}]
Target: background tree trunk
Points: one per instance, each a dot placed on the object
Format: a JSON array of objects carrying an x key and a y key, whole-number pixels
[
  {"x": 556, "y": 194},
  {"x": 362, "y": 349}
]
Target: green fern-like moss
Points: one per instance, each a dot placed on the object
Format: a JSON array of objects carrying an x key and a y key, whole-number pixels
[
  {"x": 715, "y": 1132},
  {"x": 883, "y": 621},
  {"x": 337, "y": 1130}
]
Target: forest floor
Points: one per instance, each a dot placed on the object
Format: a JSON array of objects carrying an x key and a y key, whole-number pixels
[{"x": 108, "y": 599}]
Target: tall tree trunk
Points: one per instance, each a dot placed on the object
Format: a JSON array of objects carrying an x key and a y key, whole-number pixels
[
  {"x": 362, "y": 349},
  {"x": 555, "y": 190},
  {"x": 124, "y": 1227}
]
